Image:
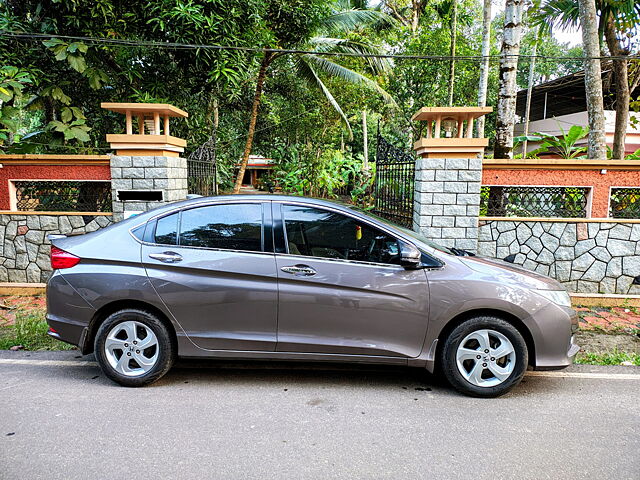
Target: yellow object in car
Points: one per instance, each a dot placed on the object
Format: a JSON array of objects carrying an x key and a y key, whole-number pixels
[{"x": 358, "y": 232}]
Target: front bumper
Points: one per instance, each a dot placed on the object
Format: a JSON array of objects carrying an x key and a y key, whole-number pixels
[{"x": 555, "y": 329}]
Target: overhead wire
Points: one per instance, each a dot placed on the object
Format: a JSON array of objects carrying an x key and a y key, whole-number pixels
[{"x": 195, "y": 46}]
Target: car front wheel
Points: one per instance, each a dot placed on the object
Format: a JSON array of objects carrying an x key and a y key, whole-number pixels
[
  {"x": 134, "y": 348},
  {"x": 484, "y": 357}
]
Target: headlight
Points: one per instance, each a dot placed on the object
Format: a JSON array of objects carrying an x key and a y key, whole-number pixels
[{"x": 559, "y": 297}]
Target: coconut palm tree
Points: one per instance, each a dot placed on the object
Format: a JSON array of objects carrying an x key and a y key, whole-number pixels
[
  {"x": 345, "y": 17},
  {"x": 615, "y": 25}
]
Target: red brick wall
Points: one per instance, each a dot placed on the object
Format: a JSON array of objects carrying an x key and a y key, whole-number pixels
[
  {"x": 599, "y": 182},
  {"x": 47, "y": 172}
]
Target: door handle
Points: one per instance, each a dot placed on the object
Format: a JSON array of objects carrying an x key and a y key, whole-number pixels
[
  {"x": 166, "y": 257},
  {"x": 299, "y": 270}
]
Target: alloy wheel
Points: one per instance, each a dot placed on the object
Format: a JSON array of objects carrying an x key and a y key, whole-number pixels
[
  {"x": 131, "y": 348},
  {"x": 486, "y": 358}
]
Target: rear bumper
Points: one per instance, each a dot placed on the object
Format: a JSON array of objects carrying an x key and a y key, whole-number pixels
[
  {"x": 68, "y": 314},
  {"x": 67, "y": 331}
]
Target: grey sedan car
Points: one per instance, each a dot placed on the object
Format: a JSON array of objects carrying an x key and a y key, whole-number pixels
[{"x": 292, "y": 278}]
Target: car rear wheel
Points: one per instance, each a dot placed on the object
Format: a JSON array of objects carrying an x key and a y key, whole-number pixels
[
  {"x": 484, "y": 357},
  {"x": 134, "y": 348}
]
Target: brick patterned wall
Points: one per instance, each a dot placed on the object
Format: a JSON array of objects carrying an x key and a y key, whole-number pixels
[
  {"x": 447, "y": 200},
  {"x": 168, "y": 174}
]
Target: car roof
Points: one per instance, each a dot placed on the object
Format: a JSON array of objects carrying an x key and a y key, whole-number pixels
[
  {"x": 264, "y": 198},
  {"x": 192, "y": 202}
]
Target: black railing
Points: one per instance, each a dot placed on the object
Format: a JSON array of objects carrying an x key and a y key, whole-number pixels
[
  {"x": 63, "y": 196},
  {"x": 516, "y": 201},
  {"x": 201, "y": 169},
  {"x": 394, "y": 183},
  {"x": 624, "y": 203}
]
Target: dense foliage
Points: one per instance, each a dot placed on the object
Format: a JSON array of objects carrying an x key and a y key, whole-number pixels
[{"x": 51, "y": 88}]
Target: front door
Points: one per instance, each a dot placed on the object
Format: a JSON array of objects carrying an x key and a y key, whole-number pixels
[
  {"x": 342, "y": 290},
  {"x": 214, "y": 268}
]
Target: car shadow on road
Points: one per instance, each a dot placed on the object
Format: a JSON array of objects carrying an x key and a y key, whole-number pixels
[
  {"x": 210, "y": 373},
  {"x": 303, "y": 373}
]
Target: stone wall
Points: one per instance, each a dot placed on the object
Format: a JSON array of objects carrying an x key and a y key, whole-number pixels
[
  {"x": 24, "y": 248},
  {"x": 587, "y": 257},
  {"x": 447, "y": 200}
]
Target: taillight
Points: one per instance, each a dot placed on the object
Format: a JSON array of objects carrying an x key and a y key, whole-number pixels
[{"x": 61, "y": 259}]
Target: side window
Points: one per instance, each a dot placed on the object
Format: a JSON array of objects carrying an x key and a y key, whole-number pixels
[
  {"x": 232, "y": 227},
  {"x": 322, "y": 233},
  {"x": 167, "y": 230}
]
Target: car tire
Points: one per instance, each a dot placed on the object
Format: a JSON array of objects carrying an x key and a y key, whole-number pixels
[
  {"x": 134, "y": 348},
  {"x": 472, "y": 357}
]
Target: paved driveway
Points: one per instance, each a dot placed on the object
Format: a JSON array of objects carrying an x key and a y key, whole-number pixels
[{"x": 60, "y": 418}]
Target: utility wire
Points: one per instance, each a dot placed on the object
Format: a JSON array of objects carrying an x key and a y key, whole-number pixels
[{"x": 194, "y": 46}]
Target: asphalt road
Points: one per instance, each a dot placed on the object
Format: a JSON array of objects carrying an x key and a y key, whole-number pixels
[{"x": 61, "y": 418}]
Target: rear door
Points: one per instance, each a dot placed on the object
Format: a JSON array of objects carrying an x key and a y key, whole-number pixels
[
  {"x": 213, "y": 266},
  {"x": 341, "y": 288}
]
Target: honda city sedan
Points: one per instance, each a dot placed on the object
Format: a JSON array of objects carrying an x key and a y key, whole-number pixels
[{"x": 293, "y": 278}]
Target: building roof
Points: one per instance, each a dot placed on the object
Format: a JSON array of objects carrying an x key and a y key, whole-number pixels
[
  {"x": 149, "y": 108},
  {"x": 566, "y": 95}
]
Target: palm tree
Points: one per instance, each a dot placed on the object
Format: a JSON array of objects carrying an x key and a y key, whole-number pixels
[
  {"x": 593, "y": 80},
  {"x": 310, "y": 66},
  {"x": 616, "y": 22}
]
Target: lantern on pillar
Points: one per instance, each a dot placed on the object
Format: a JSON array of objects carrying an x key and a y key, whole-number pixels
[
  {"x": 151, "y": 139},
  {"x": 450, "y": 132}
]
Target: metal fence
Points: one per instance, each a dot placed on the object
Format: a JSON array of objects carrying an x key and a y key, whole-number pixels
[
  {"x": 201, "y": 169},
  {"x": 63, "y": 196},
  {"x": 624, "y": 203},
  {"x": 394, "y": 183},
  {"x": 516, "y": 201}
]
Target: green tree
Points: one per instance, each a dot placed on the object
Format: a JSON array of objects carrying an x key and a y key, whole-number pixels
[{"x": 308, "y": 25}]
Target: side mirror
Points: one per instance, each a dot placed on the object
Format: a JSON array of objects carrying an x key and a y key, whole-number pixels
[{"x": 409, "y": 256}]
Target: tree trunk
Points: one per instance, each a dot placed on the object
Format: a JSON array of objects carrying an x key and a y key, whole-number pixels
[
  {"x": 216, "y": 122},
  {"x": 484, "y": 66},
  {"x": 506, "y": 110},
  {"x": 452, "y": 50},
  {"x": 593, "y": 80},
  {"x": 532, "y": 72},
  {"x": 365, "y": 141},
  {"x": 266, "y": 60},
  {"x": 416, "y": 8},
  {"x": 623, "y": 94}
]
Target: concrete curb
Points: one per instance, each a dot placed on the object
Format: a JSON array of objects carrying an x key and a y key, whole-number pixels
[
  {"x": 11, "y": 288},
  {"x": 604, "y": 300}
]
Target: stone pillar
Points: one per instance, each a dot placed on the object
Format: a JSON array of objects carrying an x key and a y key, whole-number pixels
[
  {"x": 140, "y": 183},
  {"x": 449, "y": 176},
  {"x": 447, "y": 200},
  {"x": 147, "y": 170}
]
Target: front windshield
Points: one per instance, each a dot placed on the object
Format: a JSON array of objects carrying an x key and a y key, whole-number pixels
[{"x": 406, "y": 231}]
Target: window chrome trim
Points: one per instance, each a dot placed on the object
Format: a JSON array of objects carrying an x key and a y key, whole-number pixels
[
  {"x": 343, "y": 260},
  {"x": 356, "y": 215}
]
